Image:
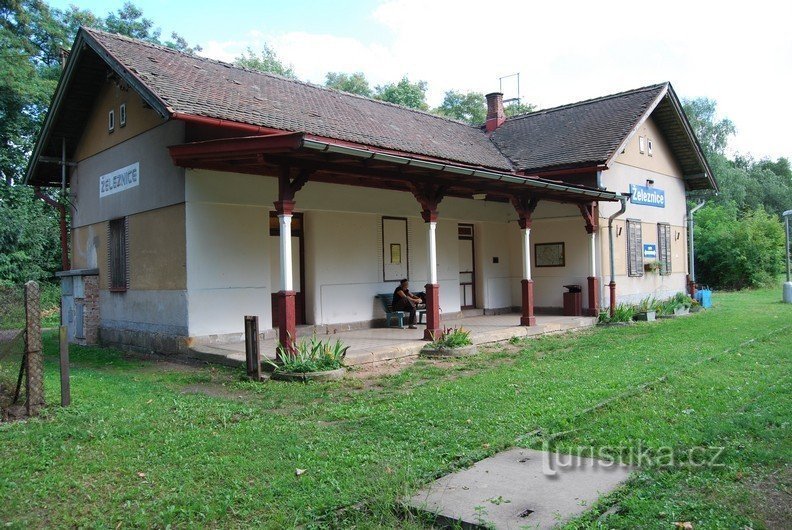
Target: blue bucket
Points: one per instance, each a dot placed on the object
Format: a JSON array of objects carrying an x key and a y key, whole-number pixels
[{"x": 704, "y": 297}]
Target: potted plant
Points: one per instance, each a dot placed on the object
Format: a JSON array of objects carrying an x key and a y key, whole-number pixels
[
  {"x": 622, "y": 316},
  {"x": 452, "y": 342},
  {"x": 311, "y": 360},
  {"x": 646, "y": 310},
  {"x": 682, "y": 304},
  {"x": 652, "y": 266}
]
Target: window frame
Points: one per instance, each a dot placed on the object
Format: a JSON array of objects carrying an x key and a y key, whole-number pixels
[
  {"x": 118, "y": 279},
  {"x": 635, "y": 267},
  {"x": 122, "y": 115},
  {"x": 111, "y": 121}
]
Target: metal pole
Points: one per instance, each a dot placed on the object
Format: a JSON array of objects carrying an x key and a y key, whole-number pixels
[
  {"x": 691, "y": 248},
  {"x": 787, "y": 291},
  {"x": 612, "y": 285}
]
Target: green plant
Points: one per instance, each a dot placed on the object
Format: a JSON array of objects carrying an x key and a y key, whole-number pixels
[
  {"x": 649, "y": 303},
  {"x": 451, "y": 338},
  {"x": 652, "y": 266},
  {"x": 622, "y": 313},
  {"x": 310, "y": 355}
]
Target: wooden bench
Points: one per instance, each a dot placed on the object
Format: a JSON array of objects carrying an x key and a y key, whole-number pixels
[{"x": 390, "y": 315}]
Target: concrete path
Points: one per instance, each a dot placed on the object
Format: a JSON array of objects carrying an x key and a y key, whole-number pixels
[
  {"x": 519, "y": 488},
  {"x": 380, "y": 344}
]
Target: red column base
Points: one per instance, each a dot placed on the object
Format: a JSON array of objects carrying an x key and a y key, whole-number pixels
[
  {"x": 433, "y": 328},
  {"x": 527, "y": 318},
  {"x": 593, "y": 297},
  {"x": 691, "y": 287},
  {"x": 612, "y": 287},
  {"x": 287, "y": 320}
]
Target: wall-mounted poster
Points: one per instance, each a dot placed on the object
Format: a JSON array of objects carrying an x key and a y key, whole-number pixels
[
  {"x": 395, "y": 255},
  {"x": 549, "y": 255}
]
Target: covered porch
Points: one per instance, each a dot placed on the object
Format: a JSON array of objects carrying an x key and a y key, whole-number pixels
[
  {"x": 371, "y": 345},
  {"x": 297, "y": 159}
]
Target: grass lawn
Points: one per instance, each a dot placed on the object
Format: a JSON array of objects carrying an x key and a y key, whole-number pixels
[{"x": 154, "y": 444}]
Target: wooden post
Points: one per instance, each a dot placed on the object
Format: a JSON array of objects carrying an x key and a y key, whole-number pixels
[
  {"x": 252, "y": 353},
  {"x": 64, "y": 367},
  {"x": 34, "y": 360}
]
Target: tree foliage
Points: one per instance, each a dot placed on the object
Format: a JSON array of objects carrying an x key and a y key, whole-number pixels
[
  {"x": 355, "y": 83},
  {"x": 470, "y": 107},
  {"x": 516, "y": 108},
  {"x": 29, "y": 236},
  {"x": 404, "y": 93},
  {"x": 737, "y": 250},
  {"x": 266, "y": 60}
]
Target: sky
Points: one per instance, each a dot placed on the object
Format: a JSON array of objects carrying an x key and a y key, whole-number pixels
[{"x": 737, "y": 53}]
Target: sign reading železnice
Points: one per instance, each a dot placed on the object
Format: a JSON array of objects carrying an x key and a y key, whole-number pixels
[
  {"x": 119, "y": 180},
  {"x": 647, "y": 196}
]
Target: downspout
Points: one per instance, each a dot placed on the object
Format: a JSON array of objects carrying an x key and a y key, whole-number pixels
[
  {"x": 612, "y": 284},
  {"x": 691, "y": 251}
]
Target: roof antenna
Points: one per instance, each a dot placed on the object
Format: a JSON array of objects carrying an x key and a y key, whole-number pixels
[{"x": 500, "y": 85}]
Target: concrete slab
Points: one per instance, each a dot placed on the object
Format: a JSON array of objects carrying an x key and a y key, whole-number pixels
[
  {"x": 519, "y": 488},
  {"x": 371, "y": 345}
]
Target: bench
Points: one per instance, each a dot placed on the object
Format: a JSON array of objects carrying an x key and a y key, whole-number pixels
[{"x": 390, "y": 315}]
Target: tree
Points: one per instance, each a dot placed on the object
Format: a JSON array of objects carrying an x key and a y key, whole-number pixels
[
  {"x": 404, "y": 93},
  {"x": 470, "y": 107},
  {"x": 735, "y": 251},
  {"x": 129, "y": 21},
  {"x": 713, "y": 135},
  {"x": 355, "y": 83},
  {"x": 265, "y": 61},
  {"x": 514, "y": 109}
]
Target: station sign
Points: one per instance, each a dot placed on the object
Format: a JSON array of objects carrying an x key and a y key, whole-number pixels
[
  {"x": 119, "y": 180},
  {"x": 647, "y": 196}
]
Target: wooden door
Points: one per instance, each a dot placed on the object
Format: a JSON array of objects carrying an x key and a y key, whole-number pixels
[{"x": 467, "y": 266}]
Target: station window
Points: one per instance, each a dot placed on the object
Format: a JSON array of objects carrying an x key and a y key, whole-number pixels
[
  {"x": 111, "y": 121},
  {"x": 117, "y": 255},
  {"x": 664, "y": 247},
  {"x": 641, "y": 144},
  {"x": 649, "y": 146},
  {"x": 122, "y": 118},
  {"x": 634, "y": 248}
]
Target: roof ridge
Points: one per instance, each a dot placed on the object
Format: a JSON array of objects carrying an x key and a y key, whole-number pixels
[
  {"x": 590, "y": 101},
  {"x": 277, "y": 76}
]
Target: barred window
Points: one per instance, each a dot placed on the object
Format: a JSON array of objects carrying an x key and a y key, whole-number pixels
[
  {"x": 117, "y": 254},
  {"x": 664, "y": 247},
  {"x": 634, "y": 248}
]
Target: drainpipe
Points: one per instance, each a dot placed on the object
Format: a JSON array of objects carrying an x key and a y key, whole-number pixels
[
  {"x": 612, "y": 284},
  {"x": 787, "y": 292},
  {"x": 691, "y": 251}
]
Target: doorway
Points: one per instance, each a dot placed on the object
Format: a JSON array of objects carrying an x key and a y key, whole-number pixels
[
  {"x": 298, "y": 264},
  {"x": 467, "y": 266}
]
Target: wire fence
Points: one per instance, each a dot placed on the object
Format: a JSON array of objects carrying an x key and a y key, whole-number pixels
[{"x": 21, "y": 359}]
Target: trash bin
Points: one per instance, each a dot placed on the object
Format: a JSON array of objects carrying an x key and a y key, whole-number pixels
[
  {"x": 573, "y": 301},
  {"x": 704, "y": 297}
]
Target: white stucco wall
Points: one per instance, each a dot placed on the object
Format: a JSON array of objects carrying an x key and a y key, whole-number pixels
[{"x": 231, "y": 260}]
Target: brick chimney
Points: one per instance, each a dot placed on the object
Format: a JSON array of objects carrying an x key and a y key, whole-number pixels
[{"x": 495, "y": 113}]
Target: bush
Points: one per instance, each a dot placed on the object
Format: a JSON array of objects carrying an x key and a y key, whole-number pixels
[
  {"x": 733, "y": 251},
  {"x": 451, "y": 338},
  {"x": 311, "y": 355},
  {"x": 622, "y": 313}
]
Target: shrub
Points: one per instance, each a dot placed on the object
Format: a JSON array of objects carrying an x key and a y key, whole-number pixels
[
  {"x": 451, "y": 338},
  {"x": 734, "y": 251},
  {"x": 311, "y": 355},
  {"x": 622, "y": 313}
]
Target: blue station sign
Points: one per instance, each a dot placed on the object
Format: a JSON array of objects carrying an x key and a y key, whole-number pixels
[
  {"x": 647, "y": 196},
  {"x": 650, "y": 251}
]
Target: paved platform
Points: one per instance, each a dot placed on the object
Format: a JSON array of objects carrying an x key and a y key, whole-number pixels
[
  {"x": 519, "y": 488},
  {"x": 381, "y": 344}
]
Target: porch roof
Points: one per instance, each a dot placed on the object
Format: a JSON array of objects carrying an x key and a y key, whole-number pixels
[{"x": 345, "y": 163}]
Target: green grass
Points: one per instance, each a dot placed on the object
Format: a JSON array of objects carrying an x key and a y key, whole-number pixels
[{"x": 140, "y": 447}]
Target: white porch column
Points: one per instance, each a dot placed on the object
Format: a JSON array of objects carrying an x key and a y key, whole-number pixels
[
  {"x": 286, "y": 272},
  {"x": 432, "y": 251},
  {"x": 526, "y": 253},
  {"x": 593, "y": 252}
]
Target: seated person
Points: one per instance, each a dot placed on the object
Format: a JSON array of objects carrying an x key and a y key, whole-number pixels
[{"x": 404, "y": 300}]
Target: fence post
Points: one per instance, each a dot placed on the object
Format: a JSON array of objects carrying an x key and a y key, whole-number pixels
[
  {"x": 252, "y": 354},
  {"x": 64, "y": 367},
  {"x": 34, "y": 360}
]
